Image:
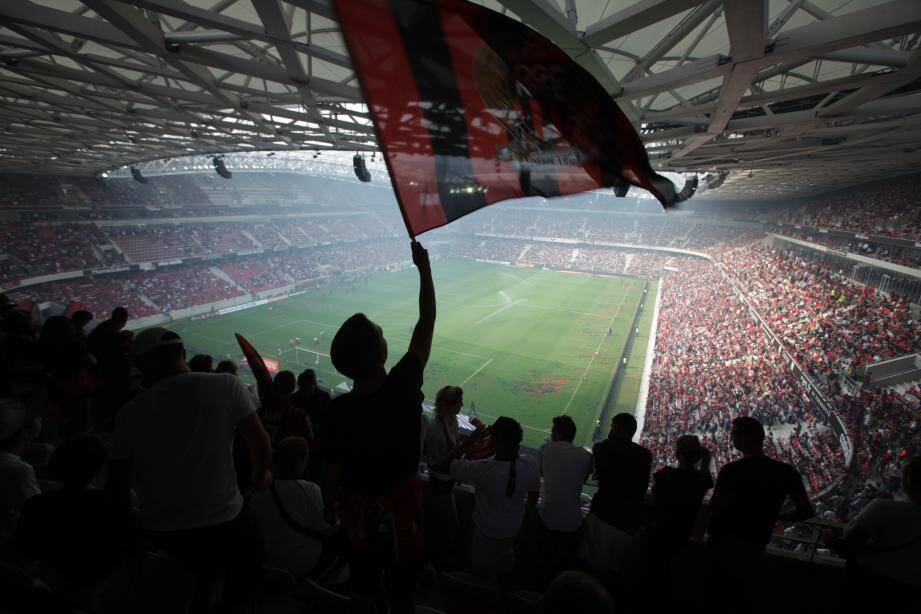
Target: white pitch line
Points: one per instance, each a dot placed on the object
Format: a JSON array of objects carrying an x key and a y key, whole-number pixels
[
  {"x": 194, "y": 334},
  {"x": 482, "y": 366},
  {"x": 498, "y": 311},
  {"x": 597, "y": 347}
]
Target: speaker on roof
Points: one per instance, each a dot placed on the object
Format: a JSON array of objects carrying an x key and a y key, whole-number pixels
[
  {"x": 220, "y": 168},
  {"x": 138, "y": 176},
  {"x": 361, "y": 171}
]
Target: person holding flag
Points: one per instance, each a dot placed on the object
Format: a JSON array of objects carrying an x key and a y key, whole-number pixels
[{"x": 370, "y": 450}]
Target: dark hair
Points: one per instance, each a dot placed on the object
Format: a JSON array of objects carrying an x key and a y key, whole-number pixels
[
  {"x": 447, "y": 395},
  {"x": 201, "y": 363},
  {"x": 77, "y": 461},
  {"x": 356, "y": 347},
  {"x": 624, "y": 423},
  {"x": 226, "y": 366},
  {"x": 565, "y": 427},
  {"x": 57, "y": 329},
  {"x": 288, "y": 453},
  {"x": 81, "y": 318},
  {"x": 507, "y": 432},
  {"x": 284, "y": 382},
  {"x": 306, "y": 377},
  {"x": 119, "y": 313},
  {"x": 748, "y": 432}
]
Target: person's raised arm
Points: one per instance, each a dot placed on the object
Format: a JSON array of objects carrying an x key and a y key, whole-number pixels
[{"x": 421, "y": 343}]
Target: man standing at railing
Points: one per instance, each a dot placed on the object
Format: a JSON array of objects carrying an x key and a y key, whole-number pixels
[{"x": 746, "y": 503}]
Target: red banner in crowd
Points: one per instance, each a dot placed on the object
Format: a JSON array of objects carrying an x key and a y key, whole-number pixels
[{"x": 472, "y": 107}]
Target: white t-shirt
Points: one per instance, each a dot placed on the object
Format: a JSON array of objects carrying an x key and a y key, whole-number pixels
[
  {"x": 286, "y": 547},
  {"x": 494, "y": 514},
  {"x": 440, "y": 439},
  {"x": 179, "y": 435},
  {"x": 17, "y": 484},
  {"x": 892, "y": 523},
  {"x": 565, "y": 468}
]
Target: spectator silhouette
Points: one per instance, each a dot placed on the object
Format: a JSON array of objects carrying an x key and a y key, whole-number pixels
[
  {"x": 746, "y": 503},
  {"x": 883, "y": 547},
  {"x": 370, "y": 447},
  {"x": 677, "y": 493},
  {"x": 81, "y": 318},
  {"x": 226, "y": 366},
  {"x": 289, "y": 516},
  {"x": 622, "y": 469},
  {"x": 574, "y": 592},
  {"x": 17, "y": 478},
  {"x": 201, "y": 363},
  {"x": 311, "y": 398},
  {"x": 291, "y": 421},
  {"x": 104, "y": 342},
  {"x": 75, "y": 537},
  {"x": 507, "y": 489},
  {"x": 564, "y": 467},
  {"x": 175, "y": 439}
]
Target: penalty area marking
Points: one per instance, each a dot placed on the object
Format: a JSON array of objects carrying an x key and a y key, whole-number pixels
[
  {"x": 498, "y": 311},
  {"x": 482, "y": 366}
]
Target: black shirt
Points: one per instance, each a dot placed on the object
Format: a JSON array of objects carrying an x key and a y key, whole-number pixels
[
  {"x": 677, "y": 494},
  {"x": 82, "y": 535},
  {"x": 622, "y": 469},
  {"x": 757, "y": 488},
  {"x": 376, "y": 438}
]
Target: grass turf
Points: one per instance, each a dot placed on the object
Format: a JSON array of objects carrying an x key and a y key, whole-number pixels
[{"x": 526, "y": 343}]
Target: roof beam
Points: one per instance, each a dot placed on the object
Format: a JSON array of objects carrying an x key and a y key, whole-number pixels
[
  {"x": 678, "y": 33},
  {"x": 880, "y": 87},
  {"x": 244, "y": 29},
  {"x": 746, "y": 21},
  {"x": 860, "y": 55},
  {"x": 546, "y": 18},
  {"x": 845, "y": 31},
  {"x": 691, "y": 72},
  {"x": 278, "y": 27},
  {"x": 633, "y": 18}
]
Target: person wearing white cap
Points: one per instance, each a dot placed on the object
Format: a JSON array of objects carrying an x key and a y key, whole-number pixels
[
  {"x": 17, "y": 478},
  {"x": 176, "y": 439}
]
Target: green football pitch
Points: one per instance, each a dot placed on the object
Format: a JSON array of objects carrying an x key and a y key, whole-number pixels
[{"x": 526, "y": 343}]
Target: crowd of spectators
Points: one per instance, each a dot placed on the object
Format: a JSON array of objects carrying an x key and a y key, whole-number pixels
[
  {"x": 833, "y": 327},
  {"x": 181, "y": 287},
  {"x": 887, "y": 208},
  {"x": 713, "y": 363}
]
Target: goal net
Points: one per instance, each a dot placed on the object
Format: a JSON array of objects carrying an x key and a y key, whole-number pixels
[{"x": 308, "y": 357}]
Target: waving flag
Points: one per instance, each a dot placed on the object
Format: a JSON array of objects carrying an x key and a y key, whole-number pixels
[
  {"x": 258, "y": 366},
  {"x": 472, "y": 107}
]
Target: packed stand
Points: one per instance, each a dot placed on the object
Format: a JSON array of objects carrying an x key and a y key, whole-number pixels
[
  {"x": 183, "y": 287},
  {"x": 887, "y": 208},
  {"x": 56, "y": 248},
  {"x": 712, "y": 363}
]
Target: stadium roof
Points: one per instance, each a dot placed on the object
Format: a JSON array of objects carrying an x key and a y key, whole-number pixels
[{"x": 793, "y": 97}]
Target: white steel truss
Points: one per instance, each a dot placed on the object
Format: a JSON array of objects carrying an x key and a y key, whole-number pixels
[{"x": 793, "y": 97}]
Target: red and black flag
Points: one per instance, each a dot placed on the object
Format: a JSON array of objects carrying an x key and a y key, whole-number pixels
[
  {"x": 258, "y": 367},
  {"x": 472, "y": 107}
]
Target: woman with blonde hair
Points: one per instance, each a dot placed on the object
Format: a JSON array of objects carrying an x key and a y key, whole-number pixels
[{"x": 442, "y": 441}]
